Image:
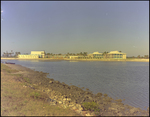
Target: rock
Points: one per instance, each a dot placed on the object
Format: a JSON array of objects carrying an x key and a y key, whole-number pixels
[
  {"x": 68, "y": 99},
  {"x": 99, "y": 94},
  {"x": 50, "y": 82},
  {"x": 64, "y": 99},
  {"x": 105, "y": 95},
  {"x": 71, "y": 105},
  {"x": 80, "y": 108},
  {"x": 133, "y": 110},
  {"x": 60, "y": 102},
  {"x": 118, "y": 100},
  {"x": 57, "y": 81},
  {"x": 148, "y": 109},
  {"x": 78, "y": 111},
  {"x": 74, "y": 107},
  {"x": 88, "y": 114}
]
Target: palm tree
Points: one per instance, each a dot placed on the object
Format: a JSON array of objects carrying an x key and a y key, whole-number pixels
[
  {"x": 138, "y": 56},
  {"x": 104, "y": 54},
  {"x": 85, "y": 53},
  {"x": 4, "y": 54},
  {"x": 81, "y": 53}
]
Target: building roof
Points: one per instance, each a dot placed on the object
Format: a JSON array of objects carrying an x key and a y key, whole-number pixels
[
  {"x": 115, "y": 52},
  {"x": 96, "y": 53},
  {"x": 38, "y": 51}
]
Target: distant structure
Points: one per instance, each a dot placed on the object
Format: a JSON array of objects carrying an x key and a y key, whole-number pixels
[
  {"x": 111, "y": 55},
  {"x": 97, "y": 55},
  {"x": 105, "y": 55},
  {"x": 34, "y": 54},
  {"x": 73, "y": 57},
  {"x": 116, "y": 55},
  {"x": 40, "y": 53}
]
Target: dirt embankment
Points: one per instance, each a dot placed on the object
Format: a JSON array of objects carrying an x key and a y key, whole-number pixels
[{"x": 81, "y": 101}]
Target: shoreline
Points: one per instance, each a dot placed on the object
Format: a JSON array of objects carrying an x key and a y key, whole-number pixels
[
  {"x": 75, "y": 96},
  {"x": 51, "y": 59}
]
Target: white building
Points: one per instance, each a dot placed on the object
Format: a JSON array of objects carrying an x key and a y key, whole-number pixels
[
  {"x": 117, "y": 55},
  {"x": 34, "y": 54}
]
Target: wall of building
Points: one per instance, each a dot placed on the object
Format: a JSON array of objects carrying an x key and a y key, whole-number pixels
[
  {"x": 124, "y": 56},
  {"x": 28, "y": 56},
  {"x": 41, "y": 53},
  {"x": 73, "y": 57}
]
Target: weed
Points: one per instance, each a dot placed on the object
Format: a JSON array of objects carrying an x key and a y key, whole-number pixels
[
  {"x": 7, "y": 69},
  {"x": 27, "y": 80},
  {"x": 19, "y": 75},
  {"x": 25, "y": 101},
  {"x": 35, "y": 95},
  {"x": 92, "y": 106}
]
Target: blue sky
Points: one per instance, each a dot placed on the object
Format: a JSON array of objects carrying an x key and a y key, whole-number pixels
[{"x": 75, "y": 26}]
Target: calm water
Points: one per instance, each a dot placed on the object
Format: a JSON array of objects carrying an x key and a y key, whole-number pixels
[{"x": 120, "y": 80}]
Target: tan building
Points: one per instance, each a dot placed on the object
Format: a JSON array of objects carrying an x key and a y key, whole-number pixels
[
  {"x": 116, "y": 55},
  {"x": 90, "y": 55},
  {"x": 73, "y": 57},
  {"x": 40, "y": 53},
  {"x": 97, "y": 55},
  {"x": 34, "y": 54},
  {"x": 28, "y": 56}
]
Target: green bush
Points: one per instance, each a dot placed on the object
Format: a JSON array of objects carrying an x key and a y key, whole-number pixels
[
  {"x": 91, "y": 106},
  {"x": 35, "y": 95}
]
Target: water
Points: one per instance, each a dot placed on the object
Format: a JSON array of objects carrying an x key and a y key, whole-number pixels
[{"x": 120, "y": 80}]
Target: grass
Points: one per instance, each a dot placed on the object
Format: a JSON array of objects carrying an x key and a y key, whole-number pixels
[
  {"x": 27, "y": 80},
  {"x": 91, "y": 106},
  {"x": 35, "y": 95},
  {"x": 17, "y": 100},
  {"x": 7, "y": 69}
]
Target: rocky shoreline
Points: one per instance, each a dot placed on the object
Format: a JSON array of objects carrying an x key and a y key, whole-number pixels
[{"x": 74, "y": 97}]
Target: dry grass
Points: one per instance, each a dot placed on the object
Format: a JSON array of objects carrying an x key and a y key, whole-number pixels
[{"x": 17, "y": 100}]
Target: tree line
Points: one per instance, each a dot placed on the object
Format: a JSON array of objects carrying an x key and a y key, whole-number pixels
[
  {"x": 69, "y": 54},
  {"x": 10, "y": 54}
]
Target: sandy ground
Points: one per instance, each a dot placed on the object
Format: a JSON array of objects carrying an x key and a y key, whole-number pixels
[{"x": 132, "y": 60}]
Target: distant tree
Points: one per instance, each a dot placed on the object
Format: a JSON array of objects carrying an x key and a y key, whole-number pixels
[
  {"x": 78, "y": 54},
  {"x": 17, "y": 53},
  {"x": 138, "y": 56},
  {"x": 4, "y": 54},
  {"x": 81, "y": 53},
  {"x": 105, "y": 54},
  {"x": 85, "y": 54},
  {"x": 120, "y": 51},
  {"x": 146, "y": 56},
  {"x": 12, "y": 52},
  {"x": 7, "y": 54}
]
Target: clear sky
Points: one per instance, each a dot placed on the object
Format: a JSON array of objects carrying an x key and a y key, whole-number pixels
[{"x": 75, "y": 26}]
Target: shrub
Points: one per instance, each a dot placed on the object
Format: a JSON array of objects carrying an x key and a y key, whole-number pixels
[
  {"x": 35, "y": 95},
  {"x": 91, "y": 106}
]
